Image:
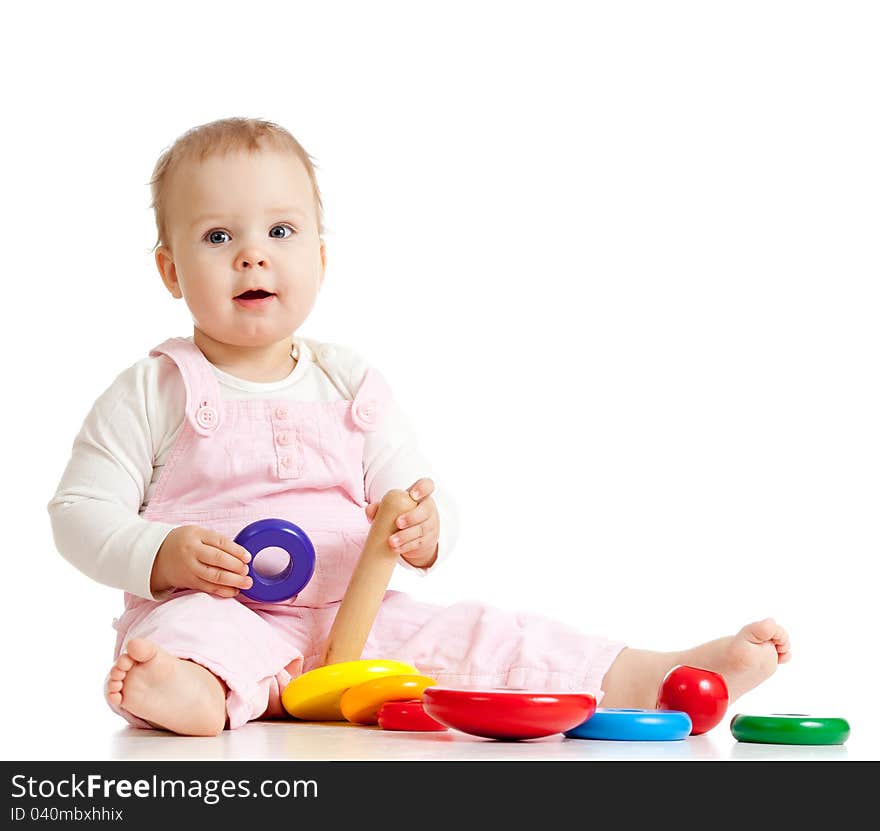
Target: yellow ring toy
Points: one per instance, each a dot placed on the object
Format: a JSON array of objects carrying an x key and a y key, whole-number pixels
[
  {"x": 315, "y": 695},
  {"x": 360, "y": 704}
]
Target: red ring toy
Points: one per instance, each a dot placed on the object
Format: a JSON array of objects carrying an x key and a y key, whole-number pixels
[
  {"x": 505, "y": 714},
  {"x": 407, "y": 715}
]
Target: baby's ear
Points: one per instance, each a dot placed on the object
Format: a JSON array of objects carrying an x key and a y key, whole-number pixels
[{"x": 168, "y": 271}]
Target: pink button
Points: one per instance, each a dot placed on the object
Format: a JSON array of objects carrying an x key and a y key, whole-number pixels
[
  {"x": 285, "y": 461},
  {"x": 367, "y": 410},
  {"x": 365, "y": 414},
  {"x": 284, "y": 438},
  {"x": 281, "y": 412},
  {"x": 206, "y": 417}
]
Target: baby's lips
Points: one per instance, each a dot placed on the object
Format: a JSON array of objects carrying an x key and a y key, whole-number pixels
[{"x": 253, "y": 294}]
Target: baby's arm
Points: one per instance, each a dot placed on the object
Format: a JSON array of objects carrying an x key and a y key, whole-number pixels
[{"x": 95, "y": 511}]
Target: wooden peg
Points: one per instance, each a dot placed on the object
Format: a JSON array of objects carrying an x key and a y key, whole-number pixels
[{"x": 369, "y": 581}]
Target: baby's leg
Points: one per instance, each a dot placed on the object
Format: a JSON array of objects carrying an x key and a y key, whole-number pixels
[
  {"x": 195, "y": 663},
  {"x": 745, "y": 660},
  {"x": 168, "y": 692},
  {"x": 472, "y": 644}
]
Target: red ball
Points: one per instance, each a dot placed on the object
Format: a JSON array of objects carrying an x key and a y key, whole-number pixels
[{"x": 701, "y": 693}]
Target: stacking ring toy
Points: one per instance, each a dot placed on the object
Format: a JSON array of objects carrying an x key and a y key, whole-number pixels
[
  {"x": 507, "y": 715},
  {"x": 315, "y": 695},
  {"x": 361, "y": 704},
  {"x": 291, "y": 580},
  {"x": 407, "y": 715},
  {"x": 789, "y": 728},
  {"x": 634, "y": 725}
]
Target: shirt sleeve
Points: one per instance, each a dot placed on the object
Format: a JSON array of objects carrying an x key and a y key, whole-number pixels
[
  {"x": 393, "y": 459},
  {"x": 95, "y": 510}
]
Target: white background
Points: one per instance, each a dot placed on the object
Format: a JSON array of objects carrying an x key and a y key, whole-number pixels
[{"x": 619, "y": 262}]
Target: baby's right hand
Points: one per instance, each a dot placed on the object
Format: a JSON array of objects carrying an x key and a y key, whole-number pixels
[{"x": 196, "y": 558}]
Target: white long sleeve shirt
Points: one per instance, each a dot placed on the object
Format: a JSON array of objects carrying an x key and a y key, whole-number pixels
[{"x": 119, "y": 453}]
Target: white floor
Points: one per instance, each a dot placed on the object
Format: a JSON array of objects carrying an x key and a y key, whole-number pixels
[{"x": 292, "y": 741}]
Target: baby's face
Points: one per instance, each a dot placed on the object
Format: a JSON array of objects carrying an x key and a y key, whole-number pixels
[{"x": 244, "y": 247}]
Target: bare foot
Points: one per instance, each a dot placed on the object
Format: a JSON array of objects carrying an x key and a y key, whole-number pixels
[
  {"x": 168, "y": 692},
  {"x": 744, "y": 659}
]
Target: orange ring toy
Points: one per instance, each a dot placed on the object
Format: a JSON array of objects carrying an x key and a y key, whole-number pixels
[{"x": 360, "y": 704}]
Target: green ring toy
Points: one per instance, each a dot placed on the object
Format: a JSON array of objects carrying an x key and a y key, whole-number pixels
[{"x": 789, "y": 728}]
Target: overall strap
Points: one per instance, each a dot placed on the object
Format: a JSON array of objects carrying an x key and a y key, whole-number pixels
[{"x": 203, "y": 407}]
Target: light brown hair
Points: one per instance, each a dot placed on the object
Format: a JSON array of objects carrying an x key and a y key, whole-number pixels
[{"x": 219, "y": 138}]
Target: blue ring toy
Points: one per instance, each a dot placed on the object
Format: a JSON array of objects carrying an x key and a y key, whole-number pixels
[
  {"x": 265, "y": 533},
  {"x": 634, "y": 726}
]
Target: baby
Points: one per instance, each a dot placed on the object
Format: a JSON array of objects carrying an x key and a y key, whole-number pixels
[{"x": 247, "y": 420}]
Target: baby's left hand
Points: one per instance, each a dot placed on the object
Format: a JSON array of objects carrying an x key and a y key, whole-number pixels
[{"x": 417, "y": 540}]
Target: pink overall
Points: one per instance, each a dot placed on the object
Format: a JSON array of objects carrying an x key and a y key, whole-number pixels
[{"x": 237, "y": 461}]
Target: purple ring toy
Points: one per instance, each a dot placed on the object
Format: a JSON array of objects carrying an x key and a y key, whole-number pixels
[{"x": 265, "y": 533}]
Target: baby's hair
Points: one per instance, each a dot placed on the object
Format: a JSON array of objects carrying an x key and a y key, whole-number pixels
[{"x": 219, "y": 138}]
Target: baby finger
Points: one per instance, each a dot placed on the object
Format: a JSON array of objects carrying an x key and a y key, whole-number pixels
[
  {"x": 221, "y": 559},
  {"x": 221, "y": 577},
  {"x": 229, "y": 546},
  {"x": 400, "y": 538},
  {"x": 412, "y": 518},
  {"x": 419, "y": 490},
  {"x": 409, "y": 547},
  {"x": 212, "y": 588}
]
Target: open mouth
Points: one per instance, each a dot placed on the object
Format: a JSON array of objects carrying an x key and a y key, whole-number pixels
[{"x": 254, "y": 294}]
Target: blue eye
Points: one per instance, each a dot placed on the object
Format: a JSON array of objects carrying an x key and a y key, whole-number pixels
[
  {"x": 292, "y": 232},
  {"x": 211, "y": 236}
]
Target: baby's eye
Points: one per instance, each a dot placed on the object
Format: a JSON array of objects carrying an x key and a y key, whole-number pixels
[
  {"x": 292, "y": 232},
  {"x": 211, "y": 236}
]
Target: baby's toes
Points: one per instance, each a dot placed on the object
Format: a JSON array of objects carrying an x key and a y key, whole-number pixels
[
  {"x": 783, "y": 652},
  {"x": 780, "y": 637},
  {"x": 123, "y": 663},
  {"x": 113, "y": 692},
  {"x": 115, "y": 678},
  {"x": 781, "y": 642},
  {"x": 762, "y": 631}
]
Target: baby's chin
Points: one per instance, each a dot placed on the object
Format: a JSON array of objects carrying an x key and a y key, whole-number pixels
[{"x": 248, "y": 335}]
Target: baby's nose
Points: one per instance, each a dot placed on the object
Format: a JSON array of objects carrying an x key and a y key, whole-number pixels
[{"x": 249, "y": 260}]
